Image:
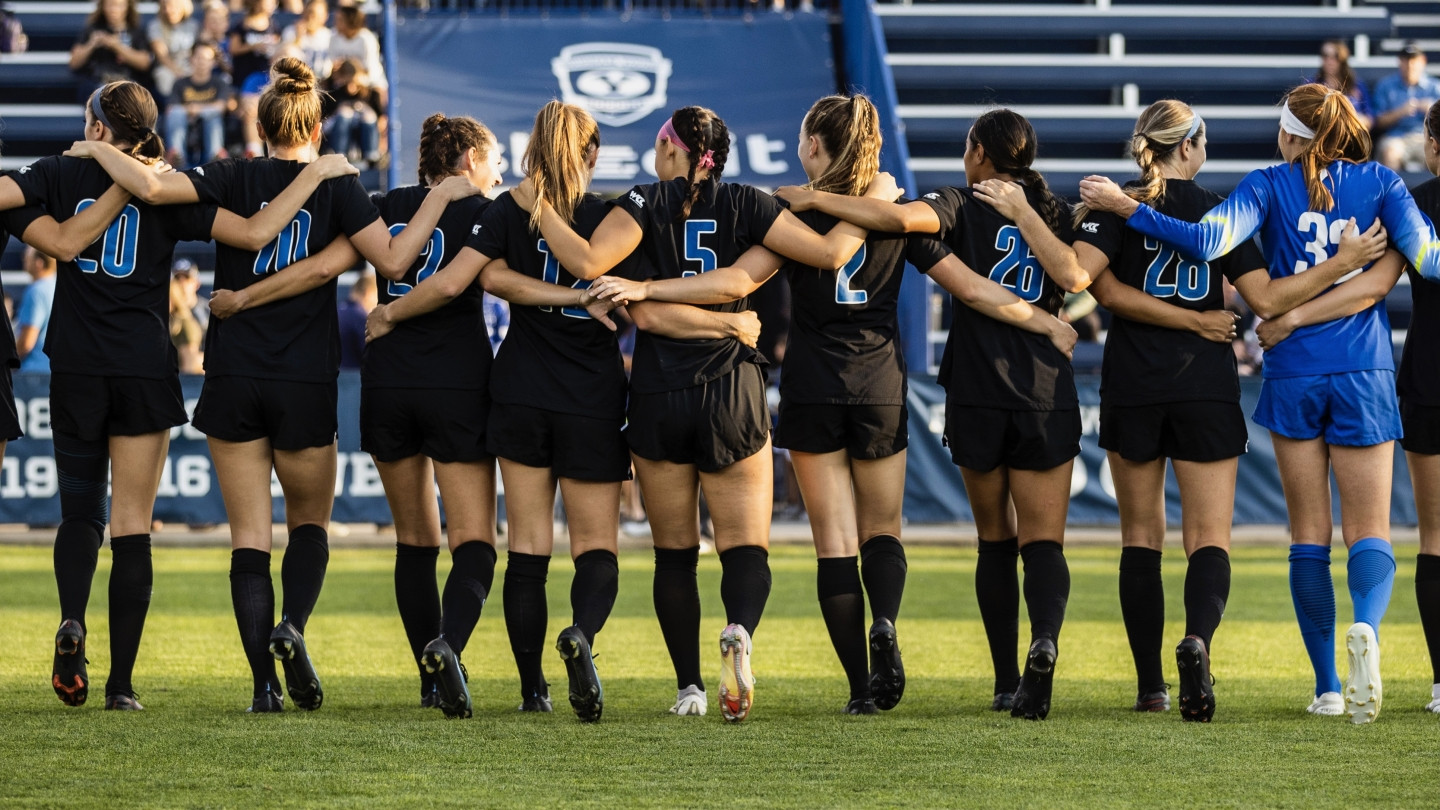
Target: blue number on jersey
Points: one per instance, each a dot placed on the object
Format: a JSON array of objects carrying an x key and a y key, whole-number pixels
[
  {"x": 290, "y": 246},
  {"x": 1028, "y": 280},
  {"x": 1191, "y": 281},
  {"x": 433, "y": 252},
  {"x": 551, "y": 274},
  {"x": 694, "y": 251},
  {"x": 118, "y": 246},
  {"x": 843, "y": 293}
]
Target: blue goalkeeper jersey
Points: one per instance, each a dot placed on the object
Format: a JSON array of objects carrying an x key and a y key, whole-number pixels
[{"x": 1275, "y": 203}]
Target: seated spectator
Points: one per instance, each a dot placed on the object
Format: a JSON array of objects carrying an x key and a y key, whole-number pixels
[
  {"x": 112, "y": 47},
  {"x": 311, "y": 36},
  {"x": 215, "y": 30},
  {"x": 186, "y": 333},
  {"x": 1401, "y": 101},
  {"x": 364, "y": 296},
  {"x": 1336, "y": 74},
  {"x": 33, "y": 321},
  {"x": 352, "y": 114},
  {"x": 172, "y": 34},
  {"x": 253, "y": 42},
  {"x": 203, "y": 97},
  {"x": 353, "y": 40}
]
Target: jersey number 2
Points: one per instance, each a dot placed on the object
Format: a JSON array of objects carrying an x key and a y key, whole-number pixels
[
  {"x": 843, "y": 293},
  {"x": 119, "y": 245}
]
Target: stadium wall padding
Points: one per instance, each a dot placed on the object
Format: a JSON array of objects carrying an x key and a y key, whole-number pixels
[
  {"x": 760, "y": 74},
  {"x": 934, "y": 492}
]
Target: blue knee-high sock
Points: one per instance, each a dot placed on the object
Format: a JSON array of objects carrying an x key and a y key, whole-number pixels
[
  {"x": 1314, "y": 593},
  {"x": 1371, "y": 571}
]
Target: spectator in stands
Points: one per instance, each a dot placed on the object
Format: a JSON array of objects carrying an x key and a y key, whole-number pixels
[
  {"x": 253, "y": 43},
  {"x": 353, "y": 40},
  {"x": 189, "y": 276},
  {"x": 33, "y": 320},
  {"x": 203, "y": 97},
  {"x": 186, "y": 333},
  {"x": 1336, "y": 74},
  {"x": 172, "y": 34},
  {"x": 352, "y": 115},
  {"x": 364, "y": 296},
  {"x": 215, "y": 30},
  {"x": 1401, "y": 100},
  {"x": 312, "y": 36},
  {"x": 112, "y": 47}
]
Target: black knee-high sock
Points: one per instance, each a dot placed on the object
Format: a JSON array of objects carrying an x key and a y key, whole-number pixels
[
  {"x": 254, "y": 599},
  {"x": 417, "y": 597},
  {"x": 1427, "y": 595},
  {"x": 526, "y": 614},
  {"x": 302, "y": 573},
  {"x": 1142, "y": 605},
  {"x": 677, "y": 605},
  {"x": 472, "y": 573},
  {"x": 131, "y": 580},
  {"x": 745, "y": 585},
  {"x": 883, "y": 567},
  {"x": 1047, "y": 587},
  {"x": 593, "y": 591},
  {"x": 837, "y": 583},
  {"x": 81, "y": 467},
  {"x": 1207, "y": 588},
  {"x": 997, "y": 588}
]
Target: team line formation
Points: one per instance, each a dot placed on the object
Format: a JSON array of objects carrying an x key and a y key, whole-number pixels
[{"x": 555, "y": 405}]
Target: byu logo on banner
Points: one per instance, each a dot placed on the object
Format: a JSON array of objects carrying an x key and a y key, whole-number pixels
[{"x": 616, "y": 82}]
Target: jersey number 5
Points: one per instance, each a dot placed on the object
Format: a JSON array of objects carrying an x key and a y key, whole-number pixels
[
  {"x": 694, "y": 251},
  {"x": 119, "y": 245},
  {"x": 1018, "y": 271},
  {"x": 429, "y": 258}
]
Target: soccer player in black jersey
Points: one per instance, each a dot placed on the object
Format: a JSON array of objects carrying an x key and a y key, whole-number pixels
[
  {"x": 558, "y": 392},
  {"x": 270, "y": 392},
  {"x": 1012, "y": 418},
  {"x": 1169, "y": 387},
  {"x": 842, "y": 412},
  {"x": 697, "y": 412},
  {"x": 115, "y": 392},
  {"x": 422, "y": 411}
]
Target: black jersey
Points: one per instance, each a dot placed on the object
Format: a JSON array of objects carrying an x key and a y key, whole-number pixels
[
  {"x": 296, "y": 339},
  {"x": 12, "y": 221},
  {"x": 447, "y": 348},
  {"x": 989, "y": 364},
  {"x": 724, "y": 222},
  {"x": 1418, "y": 380},
  {"x": 843, "y": 324},
  {"x": 111, "y": 315},
  {"x": 553, "y": 358},
  {"x": 1146, "y": 364}
]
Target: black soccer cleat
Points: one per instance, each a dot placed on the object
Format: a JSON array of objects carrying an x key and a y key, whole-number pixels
[
  {"x": 1158, "y": 701},
  {"x": 1197, "y": 692},
  {"x": 1032, "y": 697},
  {"x": 887, "y": 673},
  {"x": 123, "y": 703},
  {"x": 268, "y": 702},
  {"x": 538, "y": 702},
  {"x": 1002, "y": 702},
  {"x": 288, "y": 647},
  {"x": 429, "y": 697},
  {"x": 587, "y": 697},
  {"x": 67, "y": 674},
  {"x": 452, "y": 694},
  {"x": 861, "y": 705}
]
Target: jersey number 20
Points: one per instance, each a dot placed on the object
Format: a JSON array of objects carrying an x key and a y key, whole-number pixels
[
  {"x": 119, "y": 245},
  {"x": 292, "y": 245}
]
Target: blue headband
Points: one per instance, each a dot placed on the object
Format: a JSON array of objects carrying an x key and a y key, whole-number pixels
[
  {"x": 1194, "y": 127},
  {"x": 99, "y": 113}
]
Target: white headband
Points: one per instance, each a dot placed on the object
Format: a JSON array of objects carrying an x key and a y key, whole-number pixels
[{"x": 1293, "y": 125}]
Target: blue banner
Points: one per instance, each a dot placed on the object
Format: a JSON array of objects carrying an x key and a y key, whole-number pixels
[{"x": 759, "y": 74}]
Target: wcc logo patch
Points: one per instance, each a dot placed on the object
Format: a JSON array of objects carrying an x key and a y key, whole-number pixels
[
  {"x": 1090, "y": 227},
  {"x": 616, "y": 82}
]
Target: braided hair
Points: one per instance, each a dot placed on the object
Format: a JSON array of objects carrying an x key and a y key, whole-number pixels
[
  {"x": 849, "y": 127},
  {"x": 1159, "y": 131},
  {"x": 557, "y": 159},
  {"x": 129, "y": 111},
  {"x": 703, "y": 133},
  {"x": 443, "y": 141},
  {"x": 1010, "y": 145}
]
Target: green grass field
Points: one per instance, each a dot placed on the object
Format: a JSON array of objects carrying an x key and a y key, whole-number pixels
[{"x": 372, "y": 745}]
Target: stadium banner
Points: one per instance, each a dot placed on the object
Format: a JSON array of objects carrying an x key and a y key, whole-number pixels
[
  {"x": 760, "y": 74},
  {"x": 934, "y": 492}
]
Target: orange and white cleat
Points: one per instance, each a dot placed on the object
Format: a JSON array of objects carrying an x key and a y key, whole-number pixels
[{"x": 737, "y": 684}]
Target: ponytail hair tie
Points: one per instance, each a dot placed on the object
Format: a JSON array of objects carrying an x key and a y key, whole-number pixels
[{"x": 707, "y": 160}]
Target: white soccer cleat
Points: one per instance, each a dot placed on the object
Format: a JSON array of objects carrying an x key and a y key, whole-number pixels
[
  {"x": 1329, "y": 704},
  {"x": 1362, "y": 688},
  {"x": 737, "y": 684},
  {"x": 689, "y": 702},
  {"x": 1434, "y": 704}
]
